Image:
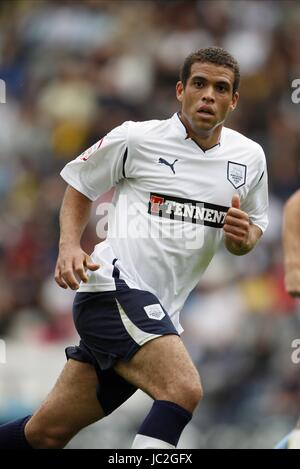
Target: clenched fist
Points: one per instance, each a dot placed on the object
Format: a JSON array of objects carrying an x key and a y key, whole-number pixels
[{"x": 237, "y": 225}]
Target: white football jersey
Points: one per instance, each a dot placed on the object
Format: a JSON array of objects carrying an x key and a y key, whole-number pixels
[{"x": 169, "y": 205}]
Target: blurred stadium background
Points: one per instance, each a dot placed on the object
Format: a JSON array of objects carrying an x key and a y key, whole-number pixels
[{"x": 74, "y": 70}]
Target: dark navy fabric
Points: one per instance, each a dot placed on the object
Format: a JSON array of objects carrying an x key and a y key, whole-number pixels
[
  {"x": 112, "y": 390},
  {"x": 120, "y": 283},
  {"x": 165, "y": 421},
  {"x": 104, "y": 339},
  {"x": 98, "y": 322},
  {"x": 12, "y": 435}
]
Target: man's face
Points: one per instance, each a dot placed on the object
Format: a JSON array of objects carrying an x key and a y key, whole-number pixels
[{"x": 207, "y": 98}]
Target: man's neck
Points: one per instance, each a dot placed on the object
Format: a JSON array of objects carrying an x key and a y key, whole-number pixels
[{"x": 205, "y": 139}]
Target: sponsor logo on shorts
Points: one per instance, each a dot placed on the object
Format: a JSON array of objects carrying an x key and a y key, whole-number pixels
[{"x": 154, "y": 311}]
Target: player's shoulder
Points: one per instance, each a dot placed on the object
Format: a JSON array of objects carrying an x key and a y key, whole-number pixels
[
  {"x": 147, "y": 129},
  {"x": 241, "y": 141},
  {"x": 135, "y": 132},
  {"x": 131, "y": 128}
]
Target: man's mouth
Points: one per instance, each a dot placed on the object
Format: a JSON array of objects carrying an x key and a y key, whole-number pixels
[{"x": 205, "y": 110}]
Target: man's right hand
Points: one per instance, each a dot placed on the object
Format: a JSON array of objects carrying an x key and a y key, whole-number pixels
[{"x": 71, "y": 265}]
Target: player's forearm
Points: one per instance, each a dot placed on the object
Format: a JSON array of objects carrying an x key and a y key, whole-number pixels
[
  {"x": 240, "y": 249},
  {"x": 291, "y": 243},
  {"x": 74, "y": 215}
]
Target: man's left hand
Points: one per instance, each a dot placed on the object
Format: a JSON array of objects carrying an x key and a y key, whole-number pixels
[{"x": 237, "y": 225}]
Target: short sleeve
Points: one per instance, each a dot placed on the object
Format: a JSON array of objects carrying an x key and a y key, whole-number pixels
[
  {"x": 101, "y": 166},
  {"x": 256, "y": 203}
]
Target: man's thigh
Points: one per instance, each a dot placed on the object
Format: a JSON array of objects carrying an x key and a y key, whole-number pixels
[
  {"x": 71, "y": 405},
  {"x": 114, "y": 325},
  {"x": 163, "y": 369}
]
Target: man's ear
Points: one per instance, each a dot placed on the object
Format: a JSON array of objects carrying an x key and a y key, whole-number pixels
[
  {"x": 179, "y": 91},
  {"x": 234, "y": 101}
]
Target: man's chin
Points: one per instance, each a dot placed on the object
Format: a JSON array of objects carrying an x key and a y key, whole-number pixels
[
  {"x": 204, "y": 127},
  {"x": 201, "y": 128}
]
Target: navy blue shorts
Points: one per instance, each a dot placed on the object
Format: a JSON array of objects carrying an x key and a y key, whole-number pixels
[{"x": 113, "y": 325}]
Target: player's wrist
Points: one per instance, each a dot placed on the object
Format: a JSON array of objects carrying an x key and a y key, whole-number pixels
[
  {"x": 69, "y": 244},
  {"x": 254, "y": 234}
]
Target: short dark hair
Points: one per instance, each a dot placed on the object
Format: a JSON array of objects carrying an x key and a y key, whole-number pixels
[{"x": 214, "y": 55}]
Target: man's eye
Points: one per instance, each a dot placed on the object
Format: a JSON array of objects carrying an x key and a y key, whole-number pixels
[
  {"x": 199, "y": 84},
  {"x": 221, "y": 88}
]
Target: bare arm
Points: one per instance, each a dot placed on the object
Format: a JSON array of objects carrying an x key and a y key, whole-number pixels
[
  {"x": 240, "y": 235},
  {"x": 72, "y": 261},
  {"x": 291, "y": 244}
]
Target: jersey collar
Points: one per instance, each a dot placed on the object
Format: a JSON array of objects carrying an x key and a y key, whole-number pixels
[{"x": 183, "y": 131}]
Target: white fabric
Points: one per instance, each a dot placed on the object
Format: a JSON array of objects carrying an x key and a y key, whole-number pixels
[
  {"x": 139, "y": 158},
  {"x": 139, "y": 336},
  {"x": 294, "y": 440},
  {"x": 147, "y": 442}
]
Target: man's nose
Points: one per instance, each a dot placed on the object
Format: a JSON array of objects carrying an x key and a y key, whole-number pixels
[{"x": 208, "y": 94}]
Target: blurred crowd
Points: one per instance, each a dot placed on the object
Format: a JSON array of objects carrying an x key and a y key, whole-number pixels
[{"x": 74, "y": 70}]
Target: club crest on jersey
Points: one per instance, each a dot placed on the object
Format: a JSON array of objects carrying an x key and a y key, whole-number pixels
[
  {"x": 186, "y": 210},
  {"x": 236, "y": 174},
  {"x": 87, "y": 153}
]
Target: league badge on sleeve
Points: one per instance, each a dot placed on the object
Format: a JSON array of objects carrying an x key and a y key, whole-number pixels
[
  {"x": 87, "y": 153},
  {"x": 236, "y": 174}
]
